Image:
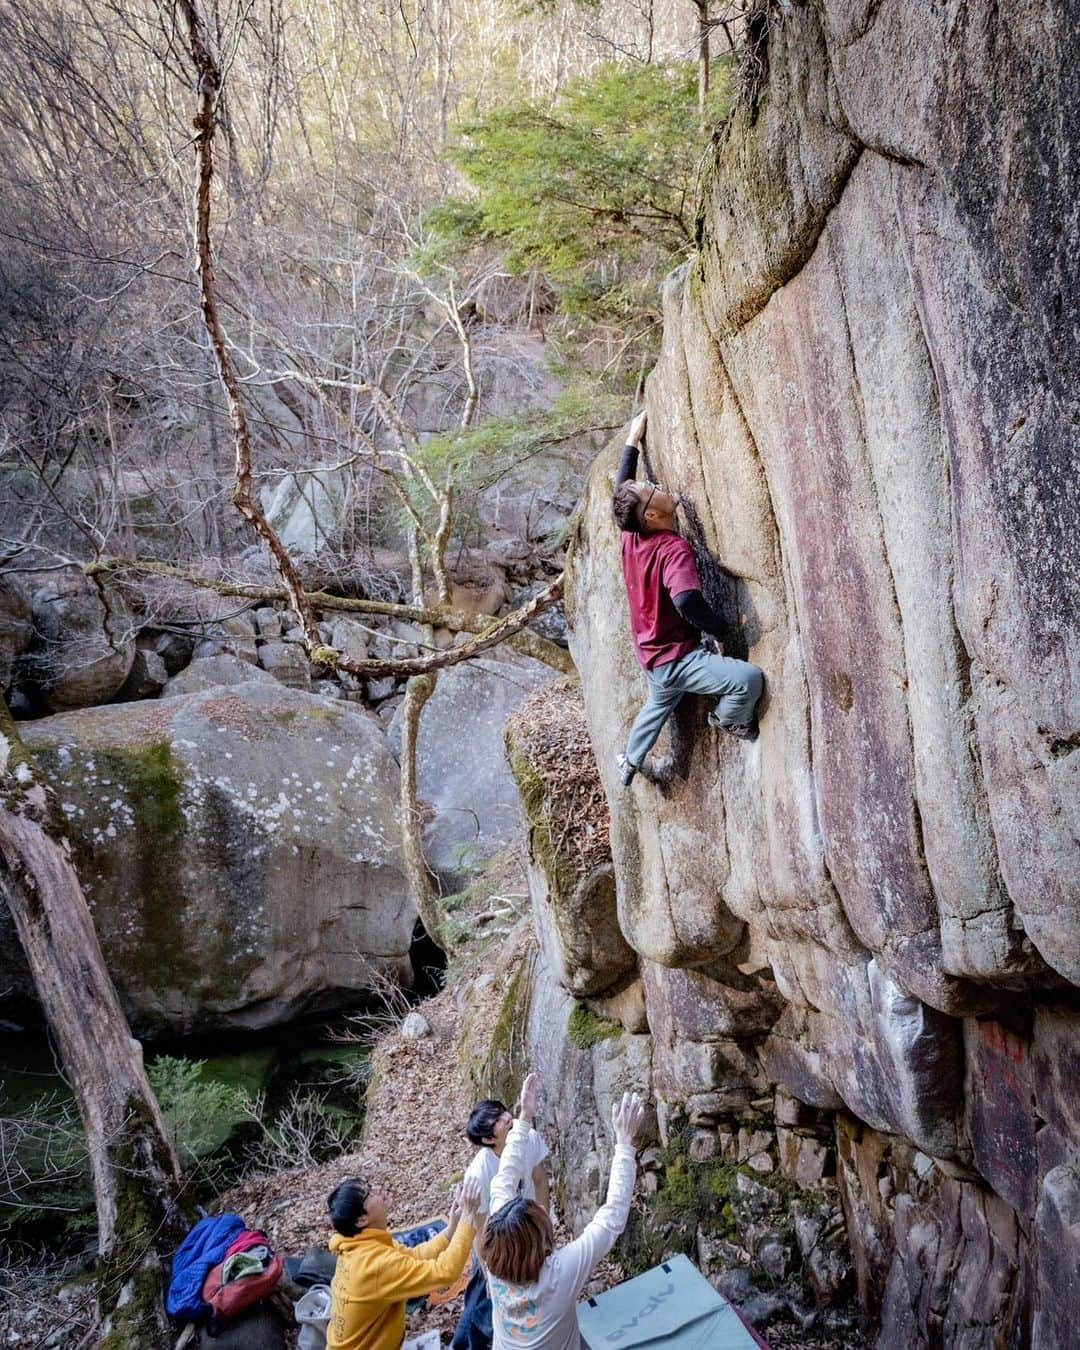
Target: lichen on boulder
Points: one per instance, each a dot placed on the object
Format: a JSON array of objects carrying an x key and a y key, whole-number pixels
[{"x": 239, "y": 848}]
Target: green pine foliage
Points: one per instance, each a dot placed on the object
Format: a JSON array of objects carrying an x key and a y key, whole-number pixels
[
  {"x": 478, "y": 457},
  {"x": 199, "y": 1111},
  {"x": 596, "y": 191}
]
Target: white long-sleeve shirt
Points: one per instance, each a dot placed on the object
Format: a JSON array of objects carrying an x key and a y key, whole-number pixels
[{"x": 542, "y": 1316}]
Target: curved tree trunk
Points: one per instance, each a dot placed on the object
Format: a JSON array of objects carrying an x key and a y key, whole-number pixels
[
  {"x": 420, "y": 671},
  {"x": 422, "y": 885},
  {"x": 136, "y": 1181},
  {"x": 418, "y": 691}
]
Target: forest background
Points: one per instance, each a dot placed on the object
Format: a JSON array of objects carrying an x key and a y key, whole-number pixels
[{"x": 438, "y": 232}]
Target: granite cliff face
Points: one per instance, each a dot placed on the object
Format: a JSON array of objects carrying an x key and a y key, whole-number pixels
[{"x": 867, "y": 388}]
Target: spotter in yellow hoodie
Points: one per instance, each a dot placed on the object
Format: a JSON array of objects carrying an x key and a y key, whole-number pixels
[{"x": 376, "y": 1276}]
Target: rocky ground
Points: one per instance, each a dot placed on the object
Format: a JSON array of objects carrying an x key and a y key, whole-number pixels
[
  {"x": 418, "y": 1100},
  {"x": 413, "y": 1143}
]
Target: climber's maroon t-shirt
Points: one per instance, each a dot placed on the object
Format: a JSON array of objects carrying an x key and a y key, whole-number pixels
[{"x": 656, "y": 567}]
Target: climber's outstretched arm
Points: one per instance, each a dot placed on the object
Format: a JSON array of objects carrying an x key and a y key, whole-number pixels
[{"x": 629, "y": 462}]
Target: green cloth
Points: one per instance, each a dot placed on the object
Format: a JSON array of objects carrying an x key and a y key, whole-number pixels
[
  {"x": 672, "y": 1307},
  {"x": 252, "y": 1262}
]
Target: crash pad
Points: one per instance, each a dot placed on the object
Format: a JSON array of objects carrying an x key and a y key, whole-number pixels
[{"x": 671, "y": 1307}]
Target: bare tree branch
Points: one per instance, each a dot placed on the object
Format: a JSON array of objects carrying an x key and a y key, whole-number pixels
[
  {"x": 206, "y": 121},
  {"x": 437, "y": 616}
]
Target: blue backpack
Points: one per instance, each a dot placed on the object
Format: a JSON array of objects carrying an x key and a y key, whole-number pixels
[{"x": 196, "y": 1256}]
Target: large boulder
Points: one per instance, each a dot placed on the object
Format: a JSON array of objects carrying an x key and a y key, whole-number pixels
[
  {"x": 147, "y": 677},
  {"x": 287, "y": 662},
  {"x": 308, "y": 509},
  {"x": 239, "y": 848},
  {"x": 83, "y": 641},
  {"x": 463, "y": 773},
  {"x": 235, "y": 634},
  {"x": 215, "y": 672}
]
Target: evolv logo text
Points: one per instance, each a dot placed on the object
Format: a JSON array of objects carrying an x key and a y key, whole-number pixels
[{"x": 647, "y": 1310}]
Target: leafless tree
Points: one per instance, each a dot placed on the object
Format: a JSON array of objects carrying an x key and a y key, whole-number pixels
[{"x": 332, "y": 116}]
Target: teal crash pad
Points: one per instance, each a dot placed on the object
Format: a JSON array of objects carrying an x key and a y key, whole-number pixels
[{"x": 672, "y": 1307}]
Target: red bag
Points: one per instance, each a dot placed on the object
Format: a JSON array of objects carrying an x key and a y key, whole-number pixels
[
  {"x": 230, "y": 1300},
  {"x": 250, "y": 1237}
]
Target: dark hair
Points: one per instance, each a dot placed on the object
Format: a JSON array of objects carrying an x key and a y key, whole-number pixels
[
  {"x": 347, "y": 1203},
  {"x": 624, "y": 506},
  {"x": 481, "y": 1126},
  {"x": 516, "y": 1241}
]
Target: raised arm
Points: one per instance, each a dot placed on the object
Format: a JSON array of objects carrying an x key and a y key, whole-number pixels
[
  {"x": 542, "y": 1184},
  {"x": 467, "y": 1199},
  {"x": 577, "y": 1260},
  {"x": 629, "y": 461},
  {"x": 404, "y": 1275},
  {"x": 512, "y": 1164}
]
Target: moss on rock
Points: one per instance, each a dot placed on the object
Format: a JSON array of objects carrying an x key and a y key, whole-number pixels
[
  {"x": 153, "y": 785},
  {"x": 727, "y": 1204},
  {"x": 497, "y": 1071},
  {"x": 587, "y": 1028}
]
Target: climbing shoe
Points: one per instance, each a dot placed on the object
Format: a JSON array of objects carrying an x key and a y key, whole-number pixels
[
  {"x": 626, "y": 770},
  {"x": 743, "y": 731}
]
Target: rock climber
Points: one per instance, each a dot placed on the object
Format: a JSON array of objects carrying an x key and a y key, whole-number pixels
[{"x": 669, "y": 614}]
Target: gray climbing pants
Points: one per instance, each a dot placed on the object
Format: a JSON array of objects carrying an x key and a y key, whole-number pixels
[{"x": 738, "y": 683}]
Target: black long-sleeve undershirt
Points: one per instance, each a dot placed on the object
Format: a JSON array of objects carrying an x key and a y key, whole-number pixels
[
  {"x": 692, "y": 605},
  {"x": 696, "y": 610},
  {"x": 627, "y": 465}
]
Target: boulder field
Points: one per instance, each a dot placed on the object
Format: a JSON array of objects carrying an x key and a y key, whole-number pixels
[
  {"x": 859, "y": 937},
  {"x": 235, "y": 820}
]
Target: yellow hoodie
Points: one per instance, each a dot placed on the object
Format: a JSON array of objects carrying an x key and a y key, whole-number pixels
[{"x": 376, "y": 1276}]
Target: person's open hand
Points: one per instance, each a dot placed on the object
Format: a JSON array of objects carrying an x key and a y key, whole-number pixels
[
  {"x": 637, "y": 429},
  {"x": 626, "y": 1118},
  {"x": 468, "y": 1200},
  {"x": 530, "y": 1095}
]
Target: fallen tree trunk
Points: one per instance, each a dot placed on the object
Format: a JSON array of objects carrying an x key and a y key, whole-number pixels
[
  {"x": 521, "y": 640},
  {"x": 137, "y": 1189}
]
